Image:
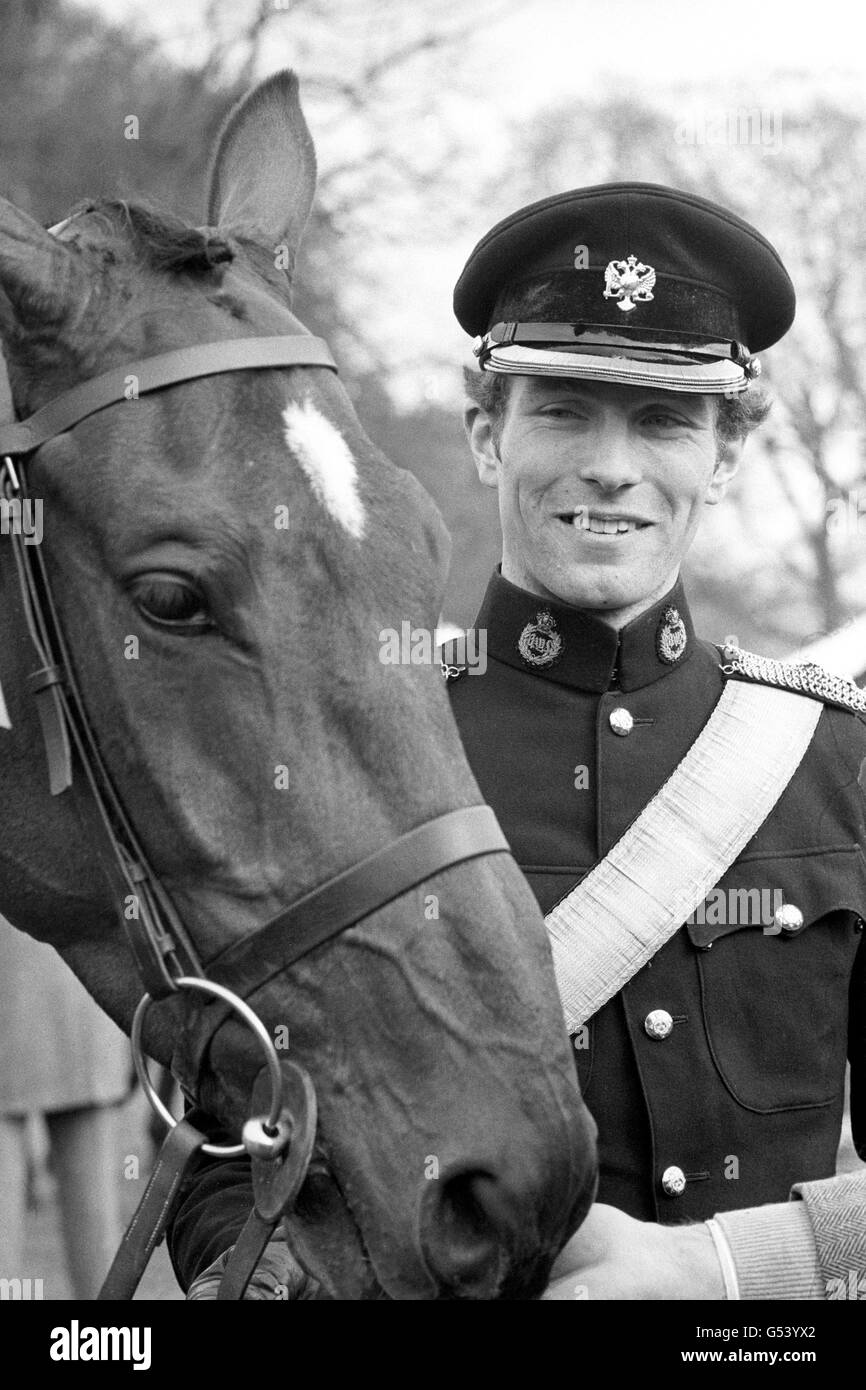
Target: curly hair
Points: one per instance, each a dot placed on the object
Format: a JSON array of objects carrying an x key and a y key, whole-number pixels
[{"x": 736, "y": 416}]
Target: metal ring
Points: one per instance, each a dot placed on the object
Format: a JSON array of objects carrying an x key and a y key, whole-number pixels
[{"x": 250, "y": 1018}]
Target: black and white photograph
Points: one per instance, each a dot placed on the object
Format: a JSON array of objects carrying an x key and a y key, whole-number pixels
[{"x": 433, "y": 668}]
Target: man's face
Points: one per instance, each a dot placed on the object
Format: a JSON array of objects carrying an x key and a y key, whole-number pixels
[{"x": 601, "y": 487}]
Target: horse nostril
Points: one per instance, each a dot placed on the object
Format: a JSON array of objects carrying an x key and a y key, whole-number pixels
[{"x": 467, "y": 1232}]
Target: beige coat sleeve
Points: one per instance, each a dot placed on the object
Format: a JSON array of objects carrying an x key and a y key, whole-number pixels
[{"x": 811, "y": 1248}]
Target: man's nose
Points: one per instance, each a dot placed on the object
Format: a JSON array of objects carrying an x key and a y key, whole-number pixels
[{"x": 612, "y": 461}]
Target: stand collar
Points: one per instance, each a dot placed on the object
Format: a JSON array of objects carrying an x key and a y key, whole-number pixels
[{"x": 571, "y": 647}]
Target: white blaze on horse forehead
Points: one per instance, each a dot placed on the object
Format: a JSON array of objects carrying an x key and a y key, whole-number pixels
[{"x": 327, "y": 461}]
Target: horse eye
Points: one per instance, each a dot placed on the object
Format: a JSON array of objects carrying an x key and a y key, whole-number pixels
[{"x": 171, "y": 602}]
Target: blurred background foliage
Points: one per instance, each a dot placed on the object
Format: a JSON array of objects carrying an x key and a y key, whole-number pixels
[{"x": 407, "y": 164}]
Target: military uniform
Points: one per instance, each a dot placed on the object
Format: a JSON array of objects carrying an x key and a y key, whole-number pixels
[
  {"x": 722, "y": 1061},
  {"x": 716, "y": 1076}
]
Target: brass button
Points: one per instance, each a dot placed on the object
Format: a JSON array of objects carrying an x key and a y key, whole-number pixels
[
  {"x": 658, "y": 1024},
  {"x": 788, "y": 918},
  {"x": 673, "y": 1181},
  {"x": 621, "y": 722}
]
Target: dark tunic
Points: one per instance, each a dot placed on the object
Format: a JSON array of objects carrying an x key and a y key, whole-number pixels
[{"x": 745, "y": 1094}]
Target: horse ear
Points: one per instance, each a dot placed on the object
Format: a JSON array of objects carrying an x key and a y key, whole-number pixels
[
  {"x": 263, "y": 174},
  {"x": 38, "y": 278}
]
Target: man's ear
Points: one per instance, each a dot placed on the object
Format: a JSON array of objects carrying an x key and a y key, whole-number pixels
[
  {"x": 727, "y": 464},
  {"x": 479, "y": 431}
]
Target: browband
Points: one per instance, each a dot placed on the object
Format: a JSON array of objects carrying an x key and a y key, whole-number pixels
[{"x": 152, "y": 373}]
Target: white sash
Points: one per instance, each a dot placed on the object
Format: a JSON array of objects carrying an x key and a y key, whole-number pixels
[{"x": 677, "y": 849}]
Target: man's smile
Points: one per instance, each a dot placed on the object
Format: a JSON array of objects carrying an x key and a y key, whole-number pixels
[{"x": 599, "y": 523}]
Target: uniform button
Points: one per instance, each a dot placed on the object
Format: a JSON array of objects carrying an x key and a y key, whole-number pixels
[
  {"x": 673, "y": 1182},
  {"x": 658, "y": 1024},
  {"x": 621, "y": 722},
  {"x": 788, "y": 918}
]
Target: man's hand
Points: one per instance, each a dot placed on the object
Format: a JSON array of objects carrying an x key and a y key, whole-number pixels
[
  {"x": 613, "y": 1256},
  {"x": 277, "y": 1277}
]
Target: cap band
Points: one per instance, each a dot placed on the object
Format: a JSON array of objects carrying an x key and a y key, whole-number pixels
[
  {"x": 700, "y": 378},
  {"x": 689, "y": 347},
  {"x": 677, "y": 305}
]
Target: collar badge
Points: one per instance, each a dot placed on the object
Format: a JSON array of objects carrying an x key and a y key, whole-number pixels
[
  {"x": 539, "y": 643},
  {"x": 671, "y": 637},
  {"x": 630, "y": 282}
]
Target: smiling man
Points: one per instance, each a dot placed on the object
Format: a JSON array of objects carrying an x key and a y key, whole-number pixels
[
  {"x": 690, "y": 818},
  {"x": 601, "y": 487}
]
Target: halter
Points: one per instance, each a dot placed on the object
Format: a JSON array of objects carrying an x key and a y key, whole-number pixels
[{"x": 280, "y": 1140}]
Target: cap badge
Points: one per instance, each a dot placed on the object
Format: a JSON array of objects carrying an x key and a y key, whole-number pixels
[
  {"x": 539, "y": 643},
  {"x": 630, "y": 282},
  {"x": 671, "y": 637}
]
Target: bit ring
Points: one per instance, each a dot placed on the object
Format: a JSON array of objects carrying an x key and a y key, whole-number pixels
[{"x": 250, "y": 1018}]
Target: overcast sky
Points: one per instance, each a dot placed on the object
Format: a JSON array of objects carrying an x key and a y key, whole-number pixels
[
  {"x": 548, "y": 47},
  {"x": 545, "y": 51},
  {"x": 769, "y": 54}
]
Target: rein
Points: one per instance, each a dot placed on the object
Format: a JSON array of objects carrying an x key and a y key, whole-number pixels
[{"x": 280, "y": 1134}]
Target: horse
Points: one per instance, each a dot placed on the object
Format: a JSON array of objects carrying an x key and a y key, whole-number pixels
[{"x": 222, "y": 550}]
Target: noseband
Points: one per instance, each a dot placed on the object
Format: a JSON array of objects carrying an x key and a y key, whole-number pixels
[{"x": 280, "y": 1140}]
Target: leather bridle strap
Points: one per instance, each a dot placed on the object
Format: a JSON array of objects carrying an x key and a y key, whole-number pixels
[
  {"x": 157, "y": 936},
  {"x": 371, "y": 884},
  {"x": 152, "y": 374},
  {"x": 147, "y": 1227},
  {"x": 342, "y": 902}
]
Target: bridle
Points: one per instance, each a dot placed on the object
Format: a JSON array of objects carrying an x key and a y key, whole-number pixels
[{"x": 279, "y": 1139}]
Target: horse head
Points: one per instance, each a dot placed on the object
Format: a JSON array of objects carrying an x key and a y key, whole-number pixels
[{"x": 224, "y": 554}]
